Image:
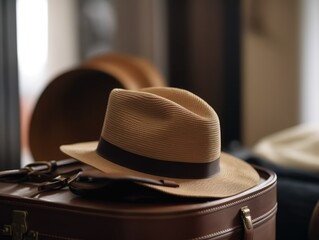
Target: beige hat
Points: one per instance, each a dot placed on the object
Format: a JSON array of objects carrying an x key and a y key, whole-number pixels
[
  {"x": 165, "y": 134},
  {"x": 77, "y": 98},
  {"x": 296, "y": 147}
]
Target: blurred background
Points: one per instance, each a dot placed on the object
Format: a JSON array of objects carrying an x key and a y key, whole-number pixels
[{"x": 255, "y": 62}]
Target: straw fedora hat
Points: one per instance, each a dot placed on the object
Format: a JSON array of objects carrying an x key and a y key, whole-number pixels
[
  {"x": 77, "y": 98},
  {"x": 166, "y": 134},
  {"x": 296, "y": 147}
]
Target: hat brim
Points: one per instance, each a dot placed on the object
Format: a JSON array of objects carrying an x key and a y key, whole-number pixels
[{"x": 235, "y": 175}]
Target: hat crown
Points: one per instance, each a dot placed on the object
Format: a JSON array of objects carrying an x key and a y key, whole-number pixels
[{"x": 162, "y": 123}]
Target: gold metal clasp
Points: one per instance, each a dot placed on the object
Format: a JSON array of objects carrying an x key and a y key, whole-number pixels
[
  {"x": 19, "y": 225},
  {"x": 246, "y": 217},
  {"x": 248, "y": 223},
  {"x": 18, "y": 229}
]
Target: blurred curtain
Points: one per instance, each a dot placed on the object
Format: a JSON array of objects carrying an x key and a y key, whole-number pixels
[
  {"x": 204, "y": 56},
  {"x": 9, "y": 92}
]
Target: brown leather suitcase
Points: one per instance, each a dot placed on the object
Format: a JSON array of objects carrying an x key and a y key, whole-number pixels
[{"x": 60, "y": 214}]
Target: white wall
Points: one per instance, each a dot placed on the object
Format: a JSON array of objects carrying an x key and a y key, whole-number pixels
[{"x": 309, "y": 89}]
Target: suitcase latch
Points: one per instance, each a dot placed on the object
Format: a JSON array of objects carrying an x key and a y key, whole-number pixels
[
  {"x": 248, "y": 223},
  {"x": 18, "y": 229}
]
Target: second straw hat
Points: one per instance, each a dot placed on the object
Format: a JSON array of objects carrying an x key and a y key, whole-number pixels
[{"x": 77, "y": 97}]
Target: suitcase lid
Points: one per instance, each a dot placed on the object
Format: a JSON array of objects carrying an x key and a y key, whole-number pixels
[{"x": 65, "y": 199}]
